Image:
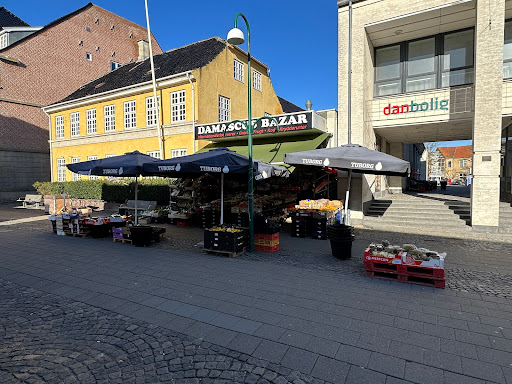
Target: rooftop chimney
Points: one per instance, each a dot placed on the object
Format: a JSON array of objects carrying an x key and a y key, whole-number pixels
[{"x": 143, "y": 50}]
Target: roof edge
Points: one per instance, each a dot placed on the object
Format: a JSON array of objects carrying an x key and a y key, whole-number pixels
[{"x": 344, "y": 3}]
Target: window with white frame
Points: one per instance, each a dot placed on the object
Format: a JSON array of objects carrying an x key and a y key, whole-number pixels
[
  {"x": 151, "y": 111},
  {"x": 155, "y": 154},
  {"x": 178, "y": 110},
  {"x": 449, "y": 164},
  {"x": 463, "y": 163},
  {"x": 239, "y": 70},
  {"x": 74, "y": 118},
  {"x": 59, "y": 126},
  {"x": 130, "y": 115},
  {"x": 110, "y": 118},
  {"x": 4, "y": 40},
  {"x": 256, "y": 80},
  {"x": 89, "y": 158},
  {"x": 91, "y": 121},
  {"x": 61, "y": 169},
  {"x": 76, "y": 176},
  {"x": 114, "y": 65},
  {"x": 224, "y": 114},
  {"x": 179, "y": 152}
]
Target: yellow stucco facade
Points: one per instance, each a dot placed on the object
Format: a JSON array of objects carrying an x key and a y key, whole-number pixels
[{"x": 202, "y": 88}]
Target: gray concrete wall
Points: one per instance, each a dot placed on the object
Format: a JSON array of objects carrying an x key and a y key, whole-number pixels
[{"x": 20, "y": 169}]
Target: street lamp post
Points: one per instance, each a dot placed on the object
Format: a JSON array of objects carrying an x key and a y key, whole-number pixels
[{"x": 236, "y": 37}]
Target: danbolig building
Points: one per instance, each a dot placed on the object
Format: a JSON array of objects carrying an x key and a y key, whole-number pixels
[{"x": 425, "y": 71}]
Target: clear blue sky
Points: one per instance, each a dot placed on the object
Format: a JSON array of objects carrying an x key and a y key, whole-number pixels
[{"x": 296, "y": 39}]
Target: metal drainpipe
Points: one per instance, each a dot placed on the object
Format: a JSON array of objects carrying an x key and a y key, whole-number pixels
[
  {"x": 193, "y": 113},
  {"x": 50, "y": 142}
]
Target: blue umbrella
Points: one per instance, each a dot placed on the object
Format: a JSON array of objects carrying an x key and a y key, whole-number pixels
[
  {"x": 128, "y": 165},
  {"x": 219, "y": 160}
]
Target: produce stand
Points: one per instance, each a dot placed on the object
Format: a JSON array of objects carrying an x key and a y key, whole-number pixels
[
  {"x": 407, "y": 264},
  {"x": 311, "y": 217}
]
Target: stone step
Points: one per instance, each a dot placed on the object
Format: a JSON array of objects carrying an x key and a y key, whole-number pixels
[
  {"x": 417, "y": 212},
  {"x": 426, "y": 217},
  {"x": 418, "y": 227},
  {"x": 455, "y": 221},
  {"x": 421, "y": 201},
  {"x": 423, "y": 205}
]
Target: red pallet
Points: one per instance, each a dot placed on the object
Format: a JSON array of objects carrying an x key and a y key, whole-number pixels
[
  {"x": 382, "y": 267},
  {"x": 264, "y": 248},
  {"x": 436, "y": 273},
  {"x": 420, "y": 280},
  {"x": 181, "y": 223}
]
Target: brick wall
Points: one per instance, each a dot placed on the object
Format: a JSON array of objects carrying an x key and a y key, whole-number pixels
[{"x": 53, "y": 65}]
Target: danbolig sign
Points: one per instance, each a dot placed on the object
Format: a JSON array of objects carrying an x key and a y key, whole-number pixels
[
  {"x": 434, "y": 105},
  {"x": 292, "y": 122}
]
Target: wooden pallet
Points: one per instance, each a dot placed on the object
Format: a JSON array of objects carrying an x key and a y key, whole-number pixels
[
  {"x": 122, "y": 240},
  {"x": 82, "y": 235},
  {"x": 223, "y": 253},
  {"x": 420, "y": 280}
]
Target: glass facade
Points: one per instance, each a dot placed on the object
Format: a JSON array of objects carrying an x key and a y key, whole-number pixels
[{"x": 443, "y": 60}]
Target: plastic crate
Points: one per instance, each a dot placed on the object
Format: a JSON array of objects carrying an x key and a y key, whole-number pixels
[
  {"x": 263, "y": 248},
  {"x": 264, "y": 236},
  {"x": 265, "y": 242}
]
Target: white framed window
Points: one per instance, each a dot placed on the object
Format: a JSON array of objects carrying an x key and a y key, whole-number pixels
[
  {"x": 61, "y": 169},
  {"x": 91, "y": 120},
  {"x": 74, "y": 118},
  {"x": 256, "y": 80},
  {"x": 463, "y": 163},
  {"x": 449, "y": 164},
  {"x": 114, "y": 65},
  {"x": 76, "y": 176},
  {"x": 110, "y": 118},
  {"x": 59, "y": 127},
  {"x": 88, "y": 56},
  {"x": 155, "y": 154},
  {"x": 130, "y": 115},
  {"x": 224, "y": 108},
  {"x": 179, "y": 152},
  {"x": 178, "y": 106},
  {"x": 4, "y": 40},
  {"x": 151, "y": 111},
  {"x": 239, "y": 70},
  {"x": 94, "y": 157}
]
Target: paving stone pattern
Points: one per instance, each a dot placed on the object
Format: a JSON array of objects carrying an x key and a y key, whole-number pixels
[{"x": 287, "y": 323}]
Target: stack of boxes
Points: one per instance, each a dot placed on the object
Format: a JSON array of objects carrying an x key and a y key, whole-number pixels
[
  {"x": 210, "y": 218},
  {"x": 266, "y": 242},
  {"x": 227, "y": 240}
]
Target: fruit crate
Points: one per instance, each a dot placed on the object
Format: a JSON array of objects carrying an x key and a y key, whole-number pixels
[
  {"x": 265, "y": 242},
  {"x": 225, "y": 241}
]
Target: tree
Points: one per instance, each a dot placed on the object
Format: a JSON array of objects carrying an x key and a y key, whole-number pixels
[{"x": 434, "y": 164}]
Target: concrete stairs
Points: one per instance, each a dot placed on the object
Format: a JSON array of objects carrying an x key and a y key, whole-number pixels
[
  {"x": 419, "y": 214},
  {"x": 505, "y": 218}
]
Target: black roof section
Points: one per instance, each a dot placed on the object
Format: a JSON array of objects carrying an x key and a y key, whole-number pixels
[
  {"x": 7, "y": 19},
  {"x": 179, "y": 60},
  {"x": 289, "y": 107}
]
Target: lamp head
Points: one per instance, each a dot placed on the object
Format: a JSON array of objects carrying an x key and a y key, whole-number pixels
[{"x": 236, "y": 37}]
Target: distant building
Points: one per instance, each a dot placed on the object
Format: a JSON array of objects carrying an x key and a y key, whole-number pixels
[
  {"x": 42, "y": 65},
  {"x": 436, "y": 165},
  {"x": 458, "y": 161}
]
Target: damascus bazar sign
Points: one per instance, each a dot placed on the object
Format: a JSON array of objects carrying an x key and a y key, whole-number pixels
[{"x": 292, "y": 122}]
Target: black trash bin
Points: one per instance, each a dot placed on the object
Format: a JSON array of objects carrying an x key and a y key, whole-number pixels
[
  {"x": 141, "y": 235},
  {"x": 443, "y": 185},
  {"x": 341, "y": 237}
]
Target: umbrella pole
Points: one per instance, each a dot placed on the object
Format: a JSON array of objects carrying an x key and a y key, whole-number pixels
[
  {"x": 347, "y": 213},
  {"x": 222, "y": 198},
  {"x": 136, "y": 196}
]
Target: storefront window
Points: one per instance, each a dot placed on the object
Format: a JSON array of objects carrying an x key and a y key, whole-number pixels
[
  {"x": 443, "y": 60},
  {"x": 458, "y": 58},
  {"x": 388, "y": 71},
  {"x": 421, "y": 65},
  {"x": 507, "y": 51}
]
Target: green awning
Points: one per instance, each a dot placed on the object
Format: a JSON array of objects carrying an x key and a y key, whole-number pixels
[{"x": 272, "y": 151}]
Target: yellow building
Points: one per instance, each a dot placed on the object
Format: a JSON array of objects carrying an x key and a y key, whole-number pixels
[{"x": 196, "y": 84}]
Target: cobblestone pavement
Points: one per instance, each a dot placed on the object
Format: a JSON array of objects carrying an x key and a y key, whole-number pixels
[
  {"x": 47, "y": 339},
  {"x": 298, "y": 314}
]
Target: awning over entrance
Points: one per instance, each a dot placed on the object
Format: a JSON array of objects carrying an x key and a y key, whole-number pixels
[{"x": 272, "y": 150}]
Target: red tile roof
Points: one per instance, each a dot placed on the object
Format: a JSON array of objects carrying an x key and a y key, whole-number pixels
[{"x": 463, "y": 152}]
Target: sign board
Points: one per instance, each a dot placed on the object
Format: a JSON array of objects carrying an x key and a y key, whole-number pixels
[{"x": 291, "y": 122}]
